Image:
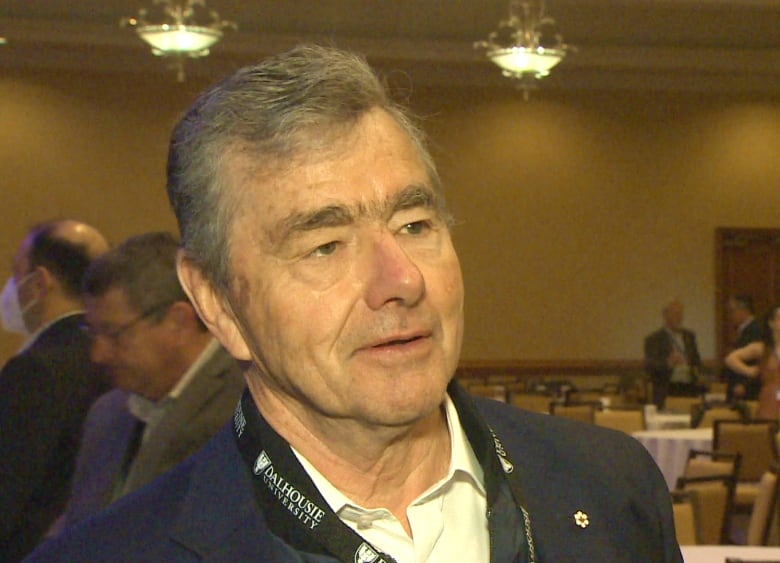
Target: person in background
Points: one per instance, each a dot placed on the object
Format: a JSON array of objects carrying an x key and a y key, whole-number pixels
[
  {"x": 671, "y": 356},
  {"x": 175, "y": 385},
  {"x": 317, "y": 248},
  {"x": 742, "y": 317},
  {"x": 761, "y": 360},
  {"x": 48, "y": 386}
]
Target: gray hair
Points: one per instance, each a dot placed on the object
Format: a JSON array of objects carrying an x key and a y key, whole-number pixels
[
  {"x": 287, "y": 106},
  {"x": 144, "y": 267}
]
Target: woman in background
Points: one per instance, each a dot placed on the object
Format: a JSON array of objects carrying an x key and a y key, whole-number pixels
[{"x": 762, "y": 359}]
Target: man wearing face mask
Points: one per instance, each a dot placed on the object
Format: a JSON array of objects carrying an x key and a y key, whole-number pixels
[{"x": 47, "y": 388}]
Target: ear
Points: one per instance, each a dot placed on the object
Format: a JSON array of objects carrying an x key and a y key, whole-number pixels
[
  {"x": 213, "y": 308},
  {"x": 43, "y": 281}
]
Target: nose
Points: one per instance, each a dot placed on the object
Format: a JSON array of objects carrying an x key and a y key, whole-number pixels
[{"x": 392, "y": 275}]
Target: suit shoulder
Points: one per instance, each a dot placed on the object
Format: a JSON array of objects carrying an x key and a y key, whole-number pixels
[{"x": 560, "y": 440}]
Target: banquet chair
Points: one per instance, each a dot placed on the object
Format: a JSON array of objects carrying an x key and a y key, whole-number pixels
[
  {"x": 713, "y": 498},
  {"x": 704, "y": 463},
  {"x": 718, "y": 387},
  {"x": 710, "y": 415},
  {"x": 764, "y": 512},
  {"x": 531, "y": 401},
  {"x": 681, "y": 404},
  {"x": 585, "y": 395},
  {"x": 625, "y": 419},
  {"x": 684, "y": 515},
  {"x": 497, "y": 392},
  {"x": 582, "y": 412},
  {"x": 756, "y": 441},
  {"x": 505, "y": 379},
  {"x": 752, "y": 408}
]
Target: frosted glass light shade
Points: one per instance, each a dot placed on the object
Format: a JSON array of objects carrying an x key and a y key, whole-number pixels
[{"x": 190, "y": 40}]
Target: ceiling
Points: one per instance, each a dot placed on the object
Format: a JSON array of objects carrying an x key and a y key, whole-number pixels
[{"x": 729, "y": 46}]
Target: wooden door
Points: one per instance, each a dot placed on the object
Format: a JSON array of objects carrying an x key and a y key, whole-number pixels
[{"x": 747, "y": 262}]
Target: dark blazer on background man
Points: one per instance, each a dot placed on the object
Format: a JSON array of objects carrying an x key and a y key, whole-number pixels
[
  {"x": 751, "y": 332},
  {"x": 45, "y": 393},
  {"x": 204, "y": 406},
  {"x": 658, "y": 346},
  {"x": 593, "y": 495}
]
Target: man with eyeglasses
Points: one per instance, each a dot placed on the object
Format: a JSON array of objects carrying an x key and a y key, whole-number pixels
[
  {"x": 48, "y": 386},
  {"x": 176, "y": 386}
]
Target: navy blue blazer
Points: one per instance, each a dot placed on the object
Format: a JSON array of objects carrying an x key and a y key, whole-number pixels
[{"x": 205, "y": 510}]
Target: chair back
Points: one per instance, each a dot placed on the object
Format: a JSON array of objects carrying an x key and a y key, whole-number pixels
[
  {"x": 764, "y": 511},
  {"x": 491, "y": 391},
  {"x": 531, "y": 401},
  {"x": 628, "y": 420},
  {"x": 681, "y": 404},
  {"x": 710, "y": 415},
  {"x": 684, "y": 514},
  {"x": 704, "y": 463},
  {"x": 713, "y": 497},
  {"x": 582, "y": 412},
  {"x": 751, "y": 408},
  {"x": 755, "y": 440}
]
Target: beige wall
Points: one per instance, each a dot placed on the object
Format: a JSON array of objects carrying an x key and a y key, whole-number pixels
[{"x": 579, "y": 214}]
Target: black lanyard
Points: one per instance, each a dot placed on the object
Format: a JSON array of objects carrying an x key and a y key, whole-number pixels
[{"x": 296, "y": 511}]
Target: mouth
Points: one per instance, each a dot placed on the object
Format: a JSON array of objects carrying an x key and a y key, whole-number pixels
[{"x": 397, "y": 341}]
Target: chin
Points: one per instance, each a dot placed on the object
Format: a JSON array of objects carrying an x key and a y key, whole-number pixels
[{"x": 407, "y": 407}]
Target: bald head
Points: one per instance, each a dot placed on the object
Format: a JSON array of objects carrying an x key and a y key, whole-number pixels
[
  {"x": 64, "y": 248},
  {"x": 81, "y": 234}
]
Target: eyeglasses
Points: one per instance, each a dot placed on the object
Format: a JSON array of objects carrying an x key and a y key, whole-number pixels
[{"x": 114, "y": 334}]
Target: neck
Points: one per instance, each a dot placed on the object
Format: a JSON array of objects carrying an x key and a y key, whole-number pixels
[
  {"x": 374, "y": 466},
  {"x": 54, "y": 308}
]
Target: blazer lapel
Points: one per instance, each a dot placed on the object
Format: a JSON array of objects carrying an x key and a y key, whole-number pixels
[{"x": 159, "y": 453}]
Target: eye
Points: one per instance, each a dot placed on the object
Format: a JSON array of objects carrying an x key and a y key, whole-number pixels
[
  {"x": 325, "y": 249},
  {"x": 416, "y": 227}
]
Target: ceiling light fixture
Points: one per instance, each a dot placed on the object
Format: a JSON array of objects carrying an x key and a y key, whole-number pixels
[
  {"x": 175, "y": 32},
  {"x": 526, "y": 45}
]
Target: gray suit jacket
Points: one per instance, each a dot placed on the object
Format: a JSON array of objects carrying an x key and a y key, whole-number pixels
[{"x": 197, "y": 414}]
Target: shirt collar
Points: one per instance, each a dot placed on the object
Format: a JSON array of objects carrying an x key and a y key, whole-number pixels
[{"x": 462, "y": 460}]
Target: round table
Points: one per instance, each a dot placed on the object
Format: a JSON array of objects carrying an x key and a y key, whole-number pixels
[
  {"x": 719, "y": 553},
  {"x": 669, "y": 448}
]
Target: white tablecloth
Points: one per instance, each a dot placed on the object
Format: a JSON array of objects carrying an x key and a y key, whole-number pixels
[
  {"x": 668, "y": 420},
  {"x": 719, "y": 553},
  {"x": 669, "y": 448}
]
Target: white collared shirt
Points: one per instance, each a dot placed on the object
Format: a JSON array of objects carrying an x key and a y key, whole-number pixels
[{"x": 448, "y": 521}]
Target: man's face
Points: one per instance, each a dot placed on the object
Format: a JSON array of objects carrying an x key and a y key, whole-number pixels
[
  {"x": 673, "y": 315},
  {"x": 737, "y": 313},
  {"x": 345, "y": 283},
  {"x": 135, "y": 350}
]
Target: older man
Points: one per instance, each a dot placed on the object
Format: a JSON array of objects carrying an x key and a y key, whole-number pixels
[
  {"x": 317, "y": 248},
  {"x": 671, "y": 356},
  {"x": 47, "y": 388}
]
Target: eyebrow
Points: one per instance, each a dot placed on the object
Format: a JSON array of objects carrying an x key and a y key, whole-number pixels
[{"x": 411, "y": 197}]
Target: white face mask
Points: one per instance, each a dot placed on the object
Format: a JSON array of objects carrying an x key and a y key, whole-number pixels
[{"x": 10, "y": 308}]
